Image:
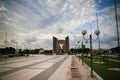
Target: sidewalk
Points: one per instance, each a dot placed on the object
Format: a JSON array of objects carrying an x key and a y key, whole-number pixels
[
  {"x": 62, "y": 72},
  {"x": 84, "y": 71}
]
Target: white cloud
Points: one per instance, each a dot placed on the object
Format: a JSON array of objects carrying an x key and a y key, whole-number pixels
[{"x": 13, "y": 41}]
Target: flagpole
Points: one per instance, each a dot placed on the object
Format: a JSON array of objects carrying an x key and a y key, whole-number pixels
[
  {"x": 115, "y": 6},
  {"x": 98, "y": 29}
]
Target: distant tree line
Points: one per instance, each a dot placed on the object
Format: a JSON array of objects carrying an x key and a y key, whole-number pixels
[
  {"x": 4, "y": 51},
  {"x": 115, "y": 50},
  {"x": 11, "y": 50},
  {"x": 80, "y": 50}
]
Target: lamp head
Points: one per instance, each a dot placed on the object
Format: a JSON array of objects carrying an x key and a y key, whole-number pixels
[
  {"x": 84, "y": 32},
  {"x": 97, "y": 32}
]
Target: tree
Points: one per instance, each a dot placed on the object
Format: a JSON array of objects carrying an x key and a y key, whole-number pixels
[{"x": 9, "y": 50}]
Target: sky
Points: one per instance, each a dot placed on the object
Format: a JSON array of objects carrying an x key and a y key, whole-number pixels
[{"x": 33, "y": 23}]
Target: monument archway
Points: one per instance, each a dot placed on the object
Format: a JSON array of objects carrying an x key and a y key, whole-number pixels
[{"x": 60, "y": 47}]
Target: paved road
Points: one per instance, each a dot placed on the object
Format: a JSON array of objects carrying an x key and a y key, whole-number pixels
[{"x": 36, "y": 68}]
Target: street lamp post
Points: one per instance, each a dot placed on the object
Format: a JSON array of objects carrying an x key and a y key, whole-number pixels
[
  {"x": 91, "y": 60},
  {"x": 78, "y": 49},
  {"x": 84, "y": 32},
  {"x": 82, "y": 53}
]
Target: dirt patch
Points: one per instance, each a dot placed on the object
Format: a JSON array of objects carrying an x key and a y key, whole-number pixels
[
  {"x": 74, "y": 73},
  {"x": 114, "y": 69},
  {"x": 79, "y": 71}
]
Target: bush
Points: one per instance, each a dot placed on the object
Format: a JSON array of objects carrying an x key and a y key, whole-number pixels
[
  {"x": 21, "y": 55},
  {"x": 11, "y": 55},
  {"x": 97, "y": 59},
  {"x": 49, "y": 53}
]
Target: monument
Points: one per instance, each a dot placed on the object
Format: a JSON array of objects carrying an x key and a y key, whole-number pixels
[{"x": 60, "y": 47}]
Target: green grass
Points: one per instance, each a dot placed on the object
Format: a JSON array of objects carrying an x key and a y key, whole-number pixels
[{"x": 102, "y": 69}]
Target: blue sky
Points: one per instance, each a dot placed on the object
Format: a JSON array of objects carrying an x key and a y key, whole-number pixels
[
  {"x": 101, "y": 4},
  {"x": 33, "y": 23}
]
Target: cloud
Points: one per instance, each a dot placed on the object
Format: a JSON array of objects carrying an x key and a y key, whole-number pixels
[
  {"x": 60, "y": 30},
  {"x": 47, "y": 44},
  {"x": 35, "y": 22},
  {"x": 12, "y": 41},
  {"x": 9, "y": 43},
  {"x": 109, "y": 40},
  {"x": 99, "y": 1},
  {"x": 30, "y": 39}
]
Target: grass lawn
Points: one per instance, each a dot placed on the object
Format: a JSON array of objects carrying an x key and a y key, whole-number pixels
[{"x": 102, "y": 69}]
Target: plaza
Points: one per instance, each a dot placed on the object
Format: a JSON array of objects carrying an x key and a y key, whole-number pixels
[{"x": 31, "y": 68}]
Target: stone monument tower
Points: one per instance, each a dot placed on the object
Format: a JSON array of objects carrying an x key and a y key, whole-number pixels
[{"x": 60, "y": 47}]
